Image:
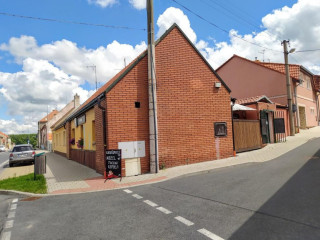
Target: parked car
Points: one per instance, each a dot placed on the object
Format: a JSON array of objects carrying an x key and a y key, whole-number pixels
[
  {"x": 2, "y": 148},
  {"x": 21, "y": 153}
]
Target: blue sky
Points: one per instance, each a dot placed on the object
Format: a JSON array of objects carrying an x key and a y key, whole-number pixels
[{"x": 52, "y": 56}]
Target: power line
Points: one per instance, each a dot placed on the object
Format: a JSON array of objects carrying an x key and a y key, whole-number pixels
[
  {"x": 70, "y": 22},
  {"x": 220, "y": 28}
]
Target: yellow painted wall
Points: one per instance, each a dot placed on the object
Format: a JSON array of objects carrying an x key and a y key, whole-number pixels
[
  {"x": 88, "y": 132},
  {"x": 59, "y": 142}
]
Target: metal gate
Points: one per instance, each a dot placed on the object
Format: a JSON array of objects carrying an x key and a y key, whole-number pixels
[
  {"x": 279, "y": 126},
  {"x": 264, "y": 126}
]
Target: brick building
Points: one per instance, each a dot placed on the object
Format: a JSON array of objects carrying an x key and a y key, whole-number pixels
[
  {"x": 191, "y": 100},
  {"x": 252, "y": 78}
]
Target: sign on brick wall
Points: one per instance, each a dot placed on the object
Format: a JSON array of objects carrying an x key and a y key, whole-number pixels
[{"x": 113, "y": 163}]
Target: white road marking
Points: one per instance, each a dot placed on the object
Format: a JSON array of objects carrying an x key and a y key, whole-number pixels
[
  {"x": 13, "y": 207},
  {"x": 152, "y": 204},
  {"x": 184, "y": 221},
  {"x": 6, "y": 236},
  {"x": 209, "y": 234},
  {"x": 15, "y": 200},
  {"x": 8, "y": 224},
  {"x": 12, "y": 214},
  {"x": 164, "y": 210},
  {"x": 136, "y": 196},
  {"x": 127, "y": 191}
]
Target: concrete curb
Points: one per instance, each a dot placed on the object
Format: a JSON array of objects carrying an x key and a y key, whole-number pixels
[{"x": 26, "y": 194}]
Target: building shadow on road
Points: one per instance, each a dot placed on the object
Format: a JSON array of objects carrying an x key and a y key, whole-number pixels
[{"x": 293, "y": 212}]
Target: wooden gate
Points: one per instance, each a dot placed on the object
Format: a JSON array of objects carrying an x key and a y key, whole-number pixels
[
  {"x": 247, "y": 135},
  {"x": 279, "y": 126}
]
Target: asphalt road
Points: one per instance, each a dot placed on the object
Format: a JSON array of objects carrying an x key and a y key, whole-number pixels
[
  {"x": 278, "y": 199},
  {"x": 4, "y": 156}
]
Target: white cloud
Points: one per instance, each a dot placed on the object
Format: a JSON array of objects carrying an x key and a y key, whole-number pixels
[
  {"x": 174, "y": 15},
  {"x": 300, "y": 24},
  {"x": 138, "y": 4},
  {"x": 52, "y": 73},
  {"x": 14, "y": 127},
  {"x": 74, "y": 60},
  {"x": 103, "y": 3}
]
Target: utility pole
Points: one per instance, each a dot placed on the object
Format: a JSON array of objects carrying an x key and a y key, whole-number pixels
[
  {"x": 152, "y": 83},
  {"x": 94, "y": 67},
  {"x": 289, "y": 90}
]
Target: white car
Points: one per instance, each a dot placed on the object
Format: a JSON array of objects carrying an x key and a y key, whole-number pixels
[{"x": 2, "y": 148}]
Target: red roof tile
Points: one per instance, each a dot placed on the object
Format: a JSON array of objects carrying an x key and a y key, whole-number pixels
[
  {"x": 3, "y": 134},
  {"x": 252, "y": 99},
  {"x": 280, "y": 67},
  {"x": 49, "y": 116}
]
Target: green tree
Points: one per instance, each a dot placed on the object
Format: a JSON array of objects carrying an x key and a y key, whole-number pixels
[{"x": 23, "y": 139}]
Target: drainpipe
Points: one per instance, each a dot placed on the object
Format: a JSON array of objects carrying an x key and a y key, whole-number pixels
[
  {"x": 103, "y": 122},
  {"x": 297, "y": 108}
]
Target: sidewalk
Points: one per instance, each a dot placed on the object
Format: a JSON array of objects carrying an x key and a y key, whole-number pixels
[{"x": 66, "y": 176}]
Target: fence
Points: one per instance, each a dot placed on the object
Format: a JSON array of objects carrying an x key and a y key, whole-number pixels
[
  {"x": 279, "y": 126},
  {"x": 247, "y": 135},
  {"x": 84, "y": 157}
]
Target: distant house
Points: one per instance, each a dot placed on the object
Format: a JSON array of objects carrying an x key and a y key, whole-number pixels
[
  {"x": 249, "y": 78},
  {"x": 194, "y": 114},
  {"x": 45, "y": 124},
  {"x": 5, "y": 140}
]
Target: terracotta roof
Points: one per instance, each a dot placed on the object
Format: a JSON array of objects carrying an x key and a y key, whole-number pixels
[
  {"x": 253, "y": 99},
  {"x": 3, "y": 134},
  {"x": 294, "y": 69},
  {"x": 49, "y": 116},
  {"x": 278, "y": 67}
]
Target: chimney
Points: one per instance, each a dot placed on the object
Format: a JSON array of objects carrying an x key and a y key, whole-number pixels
[{"x": 76, "y": 100}]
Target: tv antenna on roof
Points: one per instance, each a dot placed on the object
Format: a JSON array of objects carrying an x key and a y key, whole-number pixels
[{"x": 94, "y": 67}]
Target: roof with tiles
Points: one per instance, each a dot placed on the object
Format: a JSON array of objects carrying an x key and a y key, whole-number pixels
[
  {"x": 261, "y": 98},
  {"x": 49, "y": 116},
  {"x": 294, "y": 69},
  {"x": 3, "y": 134},
  {"x": 278, "y": 67}
]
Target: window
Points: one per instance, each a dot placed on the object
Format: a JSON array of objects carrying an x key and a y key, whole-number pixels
[
  {"x": 64, "y": 138},
  {"x": 312, "y": 110},
  {"x": 93, "y": 131}
]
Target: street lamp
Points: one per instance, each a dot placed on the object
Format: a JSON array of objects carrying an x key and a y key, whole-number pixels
[{"x": 289, "y": 91}]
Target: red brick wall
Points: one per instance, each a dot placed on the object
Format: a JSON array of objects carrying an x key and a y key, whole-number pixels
[
  {"x": 188, "y": 105},
  {"x": 100, "y": 155},
  {"x": 125, "y": 122}
]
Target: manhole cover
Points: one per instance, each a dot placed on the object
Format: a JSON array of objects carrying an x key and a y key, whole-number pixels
[{"x": 31, "y": 199}]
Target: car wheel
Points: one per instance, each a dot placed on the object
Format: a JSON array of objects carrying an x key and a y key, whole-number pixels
[{"x": 10, "y": 164}]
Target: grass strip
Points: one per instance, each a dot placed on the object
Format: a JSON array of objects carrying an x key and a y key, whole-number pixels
[{"x": 25, "y": 184}]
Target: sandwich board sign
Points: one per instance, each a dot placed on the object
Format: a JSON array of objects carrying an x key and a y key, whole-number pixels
[{"x": 113, "y": 164}]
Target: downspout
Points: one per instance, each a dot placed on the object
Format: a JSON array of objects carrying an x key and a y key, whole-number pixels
[
  {"x": 103, "y": 123},
  {"x": 297, "y": 108}
]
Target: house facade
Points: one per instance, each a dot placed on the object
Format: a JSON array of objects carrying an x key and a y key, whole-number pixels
[
  {"x": 5, "y": 140},
  {"x": 45, "y": 136},
  {"x": 194, "y": 115},
  {"x": 251, "y": 78}
]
